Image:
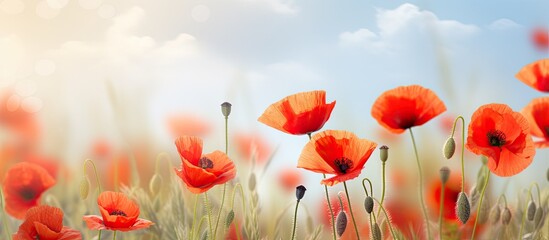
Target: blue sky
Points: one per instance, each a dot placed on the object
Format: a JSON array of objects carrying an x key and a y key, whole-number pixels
[{"x": 171, "y": 56}]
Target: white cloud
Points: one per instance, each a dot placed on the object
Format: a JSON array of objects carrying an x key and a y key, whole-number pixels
[
  {"x": 278, "y": 6},
  {"x": 400, "y": 24},
  {"x": 503, "y": 24}
]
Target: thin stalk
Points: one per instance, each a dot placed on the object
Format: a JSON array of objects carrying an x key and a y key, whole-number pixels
[
  {"x": 383, "y": 186},
  {"x": 209, "y": 209},
  {"x": 441, "y": 211},
  {"x": 239, "y": 186},
  {"x": 421, "y": 186},
  {"x": 372, "y": 192},
  {"x": 295, "y": 220},
  {"x": 329, "y": 204},
  {"x": 114, "y": 235},
  {"x": 4, "y": 218},
  {"x": 224, "y": 185},
  {"x": 351, "y": 209},
  {"x": 194, "y": 215},
  {"x": 387, "y": 217},
  {"x": 479, "y": 206},
  {"x": 462, "y": 148},
  {"x": 97, "y": 180}
]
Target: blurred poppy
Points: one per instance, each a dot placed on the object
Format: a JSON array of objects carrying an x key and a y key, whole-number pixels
[
  {"x": 250, "y": 145},
  {"x": 45, "y": 222},
  {"x": 451, "y": 190},
  {"x": 202, "y": 172},
  {"x": 182, "y": 124},
  {"x": 537, "y": 114},
  {"x": 118, "y": 213},
  {"x": 298, "y": 114},
  {"x": 118, "y": 171},
  {"x": 23, "y": 185},
  {"x": 540, "y": 38},
  {"x": 290, "y": 178},
  {"x": 101, "y": 149},
  {"x": 50, "y": 164},
  {"x": 407, "y": 106},
  {"x": 336, "y": 152},
  {"x": 501, "y": 135},
  {"x": 536, "y": 75},
  {"x": 16, "y": 119},
  {"x": 406, "y": 217}
]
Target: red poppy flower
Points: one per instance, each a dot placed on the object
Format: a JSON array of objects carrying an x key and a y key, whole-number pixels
[
  {"x": 118, "y": 213},
  {"x": 451, "y": 191},
  {"x": 536, "y": 75},
  {"x": 202, "y": 172},
  {"x": 406, "y": 217},
  {"x": 297, "y": 114},
  {"x": 501, "y": 135},
  {"x": 45, "y": 222},
  {"x": 118, "y": 171},
  {"x": 336, "y": 152},
  {"x": 540, "y": 38},
  {"x": 537, "y": 114},
  {"x": 182, "y": 124},
  {"x": 404, "y": 107},
  {"x": 23, "y": 185}
]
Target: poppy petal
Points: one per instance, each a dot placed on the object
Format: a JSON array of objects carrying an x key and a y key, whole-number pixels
[
  {"x": 197, "y": 179},
  {"x": 536, "y": 75},
  {"x": 190, "y": 148},
  {"x": 94, "y": 222},
  {"x": 341, "y": 178},
  {"x": 70, "y": 234},
  {"x": 537, "y": 114},
  {"x": 44, "y": 232}
]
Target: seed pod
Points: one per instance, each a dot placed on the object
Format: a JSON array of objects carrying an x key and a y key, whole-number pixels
[
  {"x": 531, "y": 210},
  {"x": 300, "y": 192},
  {"x": 383, "y": 153},
  {"x": 369, "y": 204},
  {"x": 538, "y": 217},
  {"x": 84, "y": 187},
  {"x": 506, "y": 216},
  {"x": 376, "y": 232},
  {"x": 155, "y": 184},
  {"x": 495, "y": 213},
  {"x": 444, "y": 174},
  {"x": 449, "y": 148},
  {"x": 252, "y": 182},
  {"x": 226, "y": 109},
  {"x": 341, "y": 223},
  {"x": 229, "y": 219},
  {"x": 463, "y": 209}
]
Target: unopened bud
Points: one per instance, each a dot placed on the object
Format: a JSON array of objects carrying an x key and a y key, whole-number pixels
[
  {"x": 84, "y": 187},
  {"x": 449, "y": 148},
  {"x": 444, "y": 174},
  {"x": 475, "y": 195},
  {"x": 226, "y": 109},
  {"x": 506, "y": 216},
  {"x": 252, "y": 182},
  {"x": 383, "y": 153},
  {"x": 300, "y": 192},
  {"x": 229, "y": 219},
  {"x": 531, "y": 210},
  {"x": 369, "y": 204},
  {"x": 484, "y": 211},
  {"x": 538, "y": 217},
  {"x": 155, "y": 184},
  {"x": 495, "y": 213},
  {"x": 463, "y": 209},
  {"x": 341, "y": 223},
  {"x": 376, "y": 232}
]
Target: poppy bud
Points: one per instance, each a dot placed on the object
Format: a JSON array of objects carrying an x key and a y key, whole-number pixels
[
  {"x": 376, "y": 232},
  {"x": 229, "y": 219},
  {"x": 341, "y": 223},
  {"x": 463, "y": 209},
  {"x": 475, "y": 195},
  {"x": 252, "y": 182},
  {"x": 449, "y": 148},
  {"x": 84, "y": 187},
  {"x": 226, "y": 109},
  {"x": 369, "y": 204},
  {"x": 506, "y": 216},
  {"x": 495, "y": 213},
  {"x": 155, "y": 184},
  {"x": 444, "y": 174},
  {"x": 383, "y": 153},
  {"x": 300, "y": 192},
  {"x": 538, "y": 217},
  {"x": 531, "y": 210}
]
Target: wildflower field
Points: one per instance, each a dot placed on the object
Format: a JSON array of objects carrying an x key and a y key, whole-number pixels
[{"x": 248, "y": 120}]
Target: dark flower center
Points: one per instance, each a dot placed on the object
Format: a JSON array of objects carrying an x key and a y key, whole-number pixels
[
  {"x": 118, "y": 213},
  {"x": 496, "y": 138},
  {"x": 27, "y": 194},
  {"x": 205, "y": 163},
  {"x": 343, "y": 164},
  {"x": 547, "y": 130}
]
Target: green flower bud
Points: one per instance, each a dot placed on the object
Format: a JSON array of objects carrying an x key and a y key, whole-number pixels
[
  {"x": 463, "y": 209},
  {"x": 369, "y": 204},
  {"x": 84, "y": 187},
  {"x": 531, "y": 210},
  {"x": 449, "y": 148},
  {"x": 341, "y": 223}
]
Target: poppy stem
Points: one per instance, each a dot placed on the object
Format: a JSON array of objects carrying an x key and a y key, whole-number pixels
[
  {"x": 224, "y": 185},
  {"x": 114, "y": 236},
  {"x": 351, "y": 209},
  {"x": 386, "y": 217},
  {"x": 441, "y": 210},
  {"x": 239, "y": 186},
  {"x": 295, "y": 219},
  {"x": 462, "y": 148},
  {"x": 383, "y": 186},
  {"x": 527, "y": 203},
  {"x": 194, "y": 215},
  {"x": 367, "y": 195},
  {"x": 479, "y": 206},
  {"x": 96, "y": 180},
  {"x": 328, "y": 201},
  {"x": 209, "y": 209},
  {"x": 4, "y": 218},
  {"x": 421, "y": 186}
]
